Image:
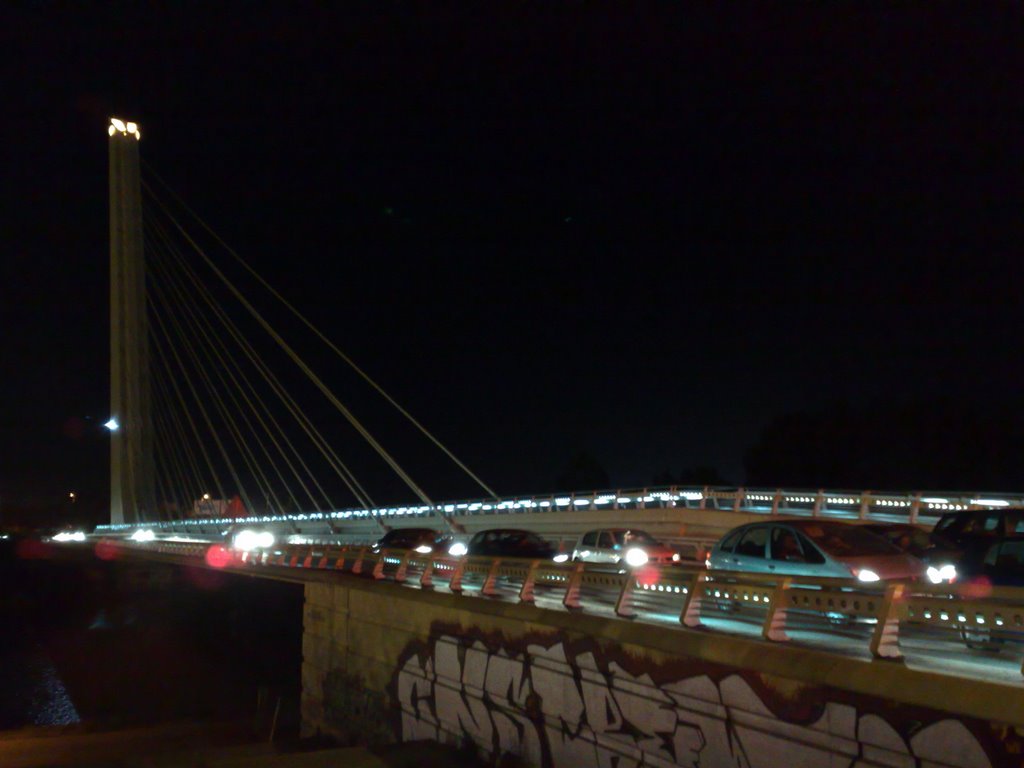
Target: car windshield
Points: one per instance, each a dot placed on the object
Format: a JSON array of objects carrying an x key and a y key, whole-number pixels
[
  {"x": 907, "y": 538},
  {"x": 847, "y": 540},
  {"x": 634, "y": 538},
  {"x": 407, "y": 537}
]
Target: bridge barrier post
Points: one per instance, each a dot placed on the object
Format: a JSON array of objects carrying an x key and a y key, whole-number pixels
[
  {"x": 737, "y": 502},
  {"x": 427, "y": 577},
  {"x": 775, "y": 501},
  {"x": 624, "y": 605},
  {"x": 339, "y": 563},
  {"x": 526, "y": 591},
  {"x": 455, "y": 583},
  {"x": 915, "y": 507},
  {"x": 492, "y": 578},
  {"x": 704, "y": 498},
  {"x": 819, "y": 502},
  {"x": 774, "y": 627},
  {"x": 572, "y": 588},
  {"x": 403, "y": 567},
  {"x": 865, "y": 505},
  {"x": 885, "y": 639},
  {"x": 357, "y": 566},
  {"x": 690, "y": 615},
  {"x": 378, "y": 567}
]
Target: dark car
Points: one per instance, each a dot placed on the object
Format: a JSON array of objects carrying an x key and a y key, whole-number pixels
[
  {"x": 422, "y": 540},
  {"x": 510, "y": 542},
  {"x": 965, "y": 538},
  {"x": 940, "y": 562}
]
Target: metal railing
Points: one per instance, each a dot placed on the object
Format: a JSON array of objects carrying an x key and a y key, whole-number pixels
[
  {"x": 690, "y": 594},
  {"x": 865, "y": 505}
]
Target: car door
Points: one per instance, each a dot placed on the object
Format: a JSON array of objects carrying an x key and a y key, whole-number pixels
[
  {"x": 606, "y": 551},
  {"x": 586, "y": 547}
]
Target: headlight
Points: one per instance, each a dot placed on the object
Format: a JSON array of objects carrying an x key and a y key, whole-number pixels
[
  {"x": 70, "y": 536},
  {"x": 635, "y": 557},
  {"x": 424, "y": 549},
  {"x": 245, "y": 540},
  {"x": 143, "y": 534},
  {"x": 265, "y": 539},
  {"x": 866, "y": 574},
  {"x": 561, "y": 557},
  {"x": 675, "y": 557},
  {"x": 458, "y": 549},
  {"x": 945, "y": 572}
]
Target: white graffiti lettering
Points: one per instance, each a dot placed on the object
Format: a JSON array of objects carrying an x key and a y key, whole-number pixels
[{"x": 556, "y": 711}]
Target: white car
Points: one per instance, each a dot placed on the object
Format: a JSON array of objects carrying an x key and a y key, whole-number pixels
[{"x": 630, "y": 546}]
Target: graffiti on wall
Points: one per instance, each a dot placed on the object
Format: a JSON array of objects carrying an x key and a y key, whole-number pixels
[{"x": 557, "y": 703}]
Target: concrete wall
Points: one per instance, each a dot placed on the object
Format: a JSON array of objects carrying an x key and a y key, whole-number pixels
[{"x": 386, "y": 662}]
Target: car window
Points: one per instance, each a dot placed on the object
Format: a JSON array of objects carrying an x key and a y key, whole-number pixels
[
  {"x": 638, "y": 538},
  {"x": 1016, "y": 524},
  {"x": 606, "y": 541},
  {"x": 786, "y": 546},
  {"x": 1011, "y": 557},
  {"x": 753, "y": 542},
  {"x": 590, "y": 539},
  {"x": 811, "y": 553},
  {"x": 729, "y": 542},
  {"x": 982, "y": 525}
]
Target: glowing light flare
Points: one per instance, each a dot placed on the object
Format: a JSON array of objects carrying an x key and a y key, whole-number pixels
[
  {"x": 458, "y": 549},
  {"x": 113, "y": 424},
  {"x": 945, "y": 572},
  {"x": 561, "y": 558},
  {"x": 125, "y": 129},
  {"x": 218, "y": 556},
  {"x": 106, "y": 550},
  {"x": 647, "y": 576},
  {"x": 635, "y": 557},
  {"x": 990, "y": 502},
  {"x": 424, "y": 549},
  {"x": 867, "y": 575},
  {"x": 143, "y": 534}
]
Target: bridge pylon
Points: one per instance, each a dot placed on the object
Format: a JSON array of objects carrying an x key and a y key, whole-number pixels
[{"x": 132, "y": 487}]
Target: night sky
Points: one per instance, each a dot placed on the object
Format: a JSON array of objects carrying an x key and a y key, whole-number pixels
[{"x": 652, "y": 235}]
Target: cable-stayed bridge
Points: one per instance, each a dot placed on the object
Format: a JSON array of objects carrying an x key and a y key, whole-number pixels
[{"x": 561, "y": 663}]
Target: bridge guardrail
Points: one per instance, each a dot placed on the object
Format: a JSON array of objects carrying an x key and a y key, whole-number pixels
[
  {"x": 979, "y": 618},
  {"x": 864, "y": 505}
]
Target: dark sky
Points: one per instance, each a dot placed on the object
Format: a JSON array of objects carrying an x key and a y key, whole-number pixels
[{"x": 642, "y": 231}]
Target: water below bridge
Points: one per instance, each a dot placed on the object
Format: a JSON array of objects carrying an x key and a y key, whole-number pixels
[{"x": 107, "y": 642}]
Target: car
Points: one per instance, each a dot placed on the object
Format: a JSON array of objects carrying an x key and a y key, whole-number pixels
[
  {"x": 616, "y": 545},
  {"x": 965, "y": 537},
  {"x": 507, "y": 542},
  {"x": 940, "y": 563},
  {"x": 813, "y": 547},
  {"x": 422, "y": 540}
]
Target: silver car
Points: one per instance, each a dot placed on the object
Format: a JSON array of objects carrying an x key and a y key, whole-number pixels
[
  {"x": 623, "y": 545},
  {"x": 823, "y": 548}
]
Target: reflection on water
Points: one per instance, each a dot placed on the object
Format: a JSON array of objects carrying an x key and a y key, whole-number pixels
[
  {"x": 98, "y": 641},
  {"x": 33, "y": 693}
]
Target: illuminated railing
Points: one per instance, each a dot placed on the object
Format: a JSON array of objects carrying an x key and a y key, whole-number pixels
[
  {"x": 864, "y": 505},
  {"x": 687, "y": 594}
]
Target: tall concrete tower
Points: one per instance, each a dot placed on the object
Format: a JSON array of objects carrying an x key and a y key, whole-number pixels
[{"x": 132, "y": 489}]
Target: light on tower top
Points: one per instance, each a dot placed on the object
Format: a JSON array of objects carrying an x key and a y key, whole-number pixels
[{"x": 124, "y": 128}]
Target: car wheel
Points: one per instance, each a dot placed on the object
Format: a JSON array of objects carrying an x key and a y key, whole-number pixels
[{"x": 980, "y": 639}]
